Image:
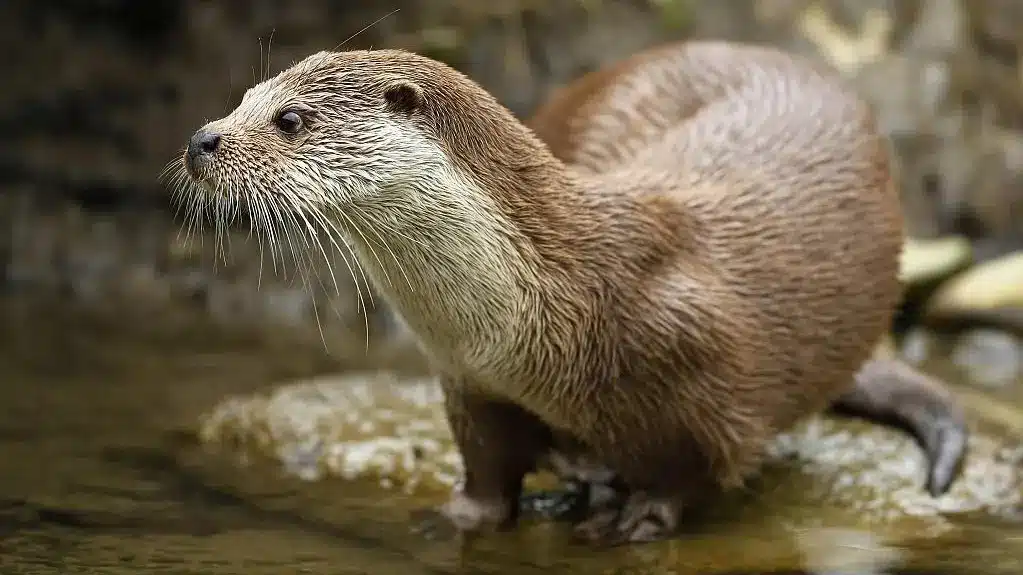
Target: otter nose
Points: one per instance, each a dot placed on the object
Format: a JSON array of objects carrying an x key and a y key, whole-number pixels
[{"x": 203, "y": 143}]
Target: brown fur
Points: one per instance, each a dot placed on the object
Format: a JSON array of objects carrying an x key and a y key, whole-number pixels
[
  {"x": 667, "y": 314},
  {"x": 595, "y": 123}
]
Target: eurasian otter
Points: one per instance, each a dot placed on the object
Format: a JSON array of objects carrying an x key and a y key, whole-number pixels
[{"x": 666, "y": 306}]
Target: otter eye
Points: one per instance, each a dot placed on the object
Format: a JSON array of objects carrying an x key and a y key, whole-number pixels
[{"x": 289, "y": 122}]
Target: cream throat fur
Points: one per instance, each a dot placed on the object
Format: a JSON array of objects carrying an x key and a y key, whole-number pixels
[{"x": 459, "y": 274}]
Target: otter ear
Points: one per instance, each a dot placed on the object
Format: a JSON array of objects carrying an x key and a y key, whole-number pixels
[{"x": 403, "y": 97}]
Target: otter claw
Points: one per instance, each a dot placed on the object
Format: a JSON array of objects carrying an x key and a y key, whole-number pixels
[
  {"x": 642, "y": 519},
  {"x": 946, "y": 454},
  {"x": 598, "y": 527},
  {"x": 647, "y": 519}
]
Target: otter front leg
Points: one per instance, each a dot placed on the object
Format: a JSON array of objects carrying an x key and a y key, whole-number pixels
[{"x": 500, "y": 443}]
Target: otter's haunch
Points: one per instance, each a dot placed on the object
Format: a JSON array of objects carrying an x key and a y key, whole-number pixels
[{"x": 713, "y": 258}]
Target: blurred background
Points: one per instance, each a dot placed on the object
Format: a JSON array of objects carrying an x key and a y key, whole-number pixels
[{"x": 120, "y": 332}]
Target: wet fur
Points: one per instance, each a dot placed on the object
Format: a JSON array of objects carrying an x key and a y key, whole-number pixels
[
  {"x": 668, "y": 314},
  {"x": 606, "y": 117}
]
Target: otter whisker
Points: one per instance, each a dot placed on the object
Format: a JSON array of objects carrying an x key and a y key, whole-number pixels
[
  {"x": 178, "y": 196},
  {"x": 230, "y": 88},
  {"x": 367, "y": 27},
  {"x": 202, "y": 203},
  {"x": 288, "y": 216},
  {"x": 390, "y": 229},
  {"x": 311, "y": 232},
  {"x": 220, "y": 217},
  {"x": 186, "y": 205},
  {"x": 276, "y": 226},
  {"x": 312, "y": 269},
  {"x": 257, "y": 224},
  {"x": 173, "y": 177},
  {"x": 224, "y": 213},
  {"x": 168, "y": 174},
  {"x": 307, "y": 234},
  {"x": 269, "y": 43},
  {"x": 369, "y": 244},
  {"x": 232, "y": 211},
  {"x": 283, "y": 225},
  {"x": 260, "y": 223},
  {"x": 295, "y": 233},
  {"x": 279, "y": 229},
  {"x": 194, "y": 214},
  {"x": 217, "y": 230},
  {"x": 369, "y": 290},
  {"x": 261, "y": 76},
  {"x": 333, "y": 234},
  {"x": 336, "y": 234}
]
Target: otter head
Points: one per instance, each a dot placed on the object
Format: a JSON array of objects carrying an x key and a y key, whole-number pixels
[
  {"x": 335, "y": 129},
  {"x": 418, "y": 169}
]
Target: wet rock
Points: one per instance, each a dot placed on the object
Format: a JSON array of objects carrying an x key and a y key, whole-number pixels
[
  {"x": 373, "y": 427},
  {"x": 917, "y": 346},
  {"x": 927, "y": 262},
  {"x": 989, "y": 357},
  {"x": 995, "y": 284},
  {"x": 392, "y": 432},
  {"x": 984, "y": 357}
]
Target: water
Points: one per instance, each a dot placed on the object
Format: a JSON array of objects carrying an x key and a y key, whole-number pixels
[{"x": 100, "y": 474}]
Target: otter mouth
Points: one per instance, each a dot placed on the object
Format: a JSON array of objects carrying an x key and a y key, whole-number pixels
[
  {"x": 197, "y": 168},
  {"x": 199, "y": 173}
]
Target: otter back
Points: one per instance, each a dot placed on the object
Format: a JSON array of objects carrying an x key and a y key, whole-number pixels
[{"x": 783, "y": 171}]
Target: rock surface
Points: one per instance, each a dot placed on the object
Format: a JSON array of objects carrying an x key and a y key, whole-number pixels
[
  {"x": 995, "y": 284},
  {"x": 392, "y": 432}
]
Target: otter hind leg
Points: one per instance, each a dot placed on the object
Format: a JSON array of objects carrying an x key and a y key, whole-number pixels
[
  {"x": 891, "y": 392},
  {"x": 668, "y": 465},
  {"x": 641, "y": 519}
]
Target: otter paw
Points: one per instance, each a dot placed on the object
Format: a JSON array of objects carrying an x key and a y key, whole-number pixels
[
  {"x": 598, "y": 527},
  {"x": 461, "y": 515},
  {"x": 470, "y": 514},
  {"x": 641, "y": 519}
]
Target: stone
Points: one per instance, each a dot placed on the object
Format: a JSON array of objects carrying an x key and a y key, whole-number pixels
[
  {"x": 392, "y": 432},
  {"x": 927, "y": 261},
  {"x": 989, "y": 357},
  {"x": 994, "y": 284}
]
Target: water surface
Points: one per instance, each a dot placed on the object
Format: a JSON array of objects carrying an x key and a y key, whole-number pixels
[{"x": 100, "y": 474}]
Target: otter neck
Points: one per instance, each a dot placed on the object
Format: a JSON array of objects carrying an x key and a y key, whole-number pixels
[{"x": 475, "y": 277}]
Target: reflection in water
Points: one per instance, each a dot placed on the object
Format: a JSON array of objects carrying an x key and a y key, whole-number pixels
[{"x": 96, "y": 476}]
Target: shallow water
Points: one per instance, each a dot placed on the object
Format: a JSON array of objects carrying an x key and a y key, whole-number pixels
[{"x": 99, "y": 474}]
